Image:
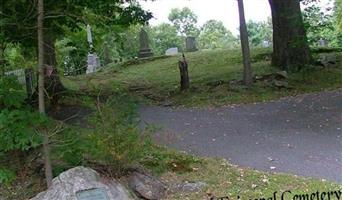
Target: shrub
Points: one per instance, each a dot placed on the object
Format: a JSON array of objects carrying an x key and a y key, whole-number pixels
[{"x": 18, "y": 122}]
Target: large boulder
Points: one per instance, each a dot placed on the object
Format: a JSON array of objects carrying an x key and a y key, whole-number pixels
[{"x": 82, "y": 183}]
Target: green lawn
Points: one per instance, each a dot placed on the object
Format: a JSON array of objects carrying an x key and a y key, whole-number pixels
[
  {"x": 224, "y": 179},
  {"x": 210, "y": 75}
]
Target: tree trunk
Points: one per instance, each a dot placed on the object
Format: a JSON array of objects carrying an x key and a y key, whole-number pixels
[
  {"x": 290, "y": 47},
  {"x": 247, "y": 69},
  {"x": 53, "y": 84},
  {"x": 48, "y": 168},
  {"x": 106, "y": 54}
]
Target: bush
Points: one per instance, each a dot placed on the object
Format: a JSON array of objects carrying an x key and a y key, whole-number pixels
[
  {"x": 6, "y": 176},
  {"x": 12, "y": 94},
  {"x": 116, "y": 144},
  {"x": 18, "y": 123}
]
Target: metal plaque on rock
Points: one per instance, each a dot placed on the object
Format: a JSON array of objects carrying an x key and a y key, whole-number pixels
[{"x": 92, "y": 194}]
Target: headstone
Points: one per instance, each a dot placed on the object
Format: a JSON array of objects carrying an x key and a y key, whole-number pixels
[
  {"x": 266, "y": 44},
  {"x": 82, "y": 183},
  {"x": 93, "y": 62},
  {"x": 190, "y": 43},
  {"x": 322, "y": 43},
  {"x": 171, "y": 51},
  {"x": 145, "y": 50}
]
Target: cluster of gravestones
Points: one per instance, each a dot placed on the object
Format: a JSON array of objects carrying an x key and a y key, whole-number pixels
[{"x": 146, "y": 51}]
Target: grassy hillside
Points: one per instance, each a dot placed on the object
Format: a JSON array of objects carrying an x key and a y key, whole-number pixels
[{"x": 214, "y": 77}]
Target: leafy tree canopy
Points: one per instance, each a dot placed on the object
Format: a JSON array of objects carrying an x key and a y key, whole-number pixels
[
  {"x": 215, "y": 35},
  {"x": 18, "y": 18},
  {"x": 338, "y": 11},
  {"x": 321, "y": 24},
  {"x": 165, "y": 36},
  {"x": 259, "y": 31},
  {"x": 185, "y": 21}
]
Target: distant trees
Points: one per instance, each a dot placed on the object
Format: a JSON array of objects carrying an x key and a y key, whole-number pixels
[
  {"x": 185, "y": 21},
  {"x": 259, "y": 31},
  {"x": 321, "y": 24},
  {"x": 338, "y": 13},
  {"x": 215, "y": 35},
  {"x": 165, "y": 36}
]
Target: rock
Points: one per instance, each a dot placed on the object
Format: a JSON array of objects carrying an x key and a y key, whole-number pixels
[
  {"x": 189, "y": 187},
  {"x": 76, "y": 181},
  {"x": 282, "y": 75},
  {"x": 147, "y": 186},
  {"x": 328, "y": 60},
  {"x": 281, "y": 84}
]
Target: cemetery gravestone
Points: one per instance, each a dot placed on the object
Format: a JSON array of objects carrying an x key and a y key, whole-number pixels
[
  {"x": 145, "y": 50},
  {"x": 266, "y": 44},
  {"x": 190, "y": 43},
  {"x": 93, "y": 62},
  {"x": 322, "y": 43},
  {"x": 171, "y": 51}
]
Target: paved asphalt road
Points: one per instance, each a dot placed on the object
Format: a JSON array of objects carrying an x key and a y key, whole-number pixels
[{"x": 300, "y": 135}]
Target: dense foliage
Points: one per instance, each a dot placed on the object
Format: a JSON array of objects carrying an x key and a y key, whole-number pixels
[
  {"x": 338, "y": 11},
  {"x": 185, "y": 21},
  {"x": 215, "y": 35},
  {"x": 321, "y": 25},
  {"x": 19, "y": 124},
  {"x": 165, "y": 36},
  {"x": 259, "y": 32}
]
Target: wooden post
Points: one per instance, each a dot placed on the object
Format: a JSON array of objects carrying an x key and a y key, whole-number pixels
[
  {"x": 29, "y": 83},
  {"x": 184, "y": 75}
]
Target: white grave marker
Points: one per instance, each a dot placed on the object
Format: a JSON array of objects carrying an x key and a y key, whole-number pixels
[{"x": 171, "y": 51}]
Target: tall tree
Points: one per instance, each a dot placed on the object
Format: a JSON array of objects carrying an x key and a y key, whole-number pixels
[
  {"x": 40, "y": 28},
  {"x": 259, "y": 31},
  {"x": 321, "y": 24},
  {"x": 338, "y": 13},
  {"x": 247, "y": 70},
  {"x": 215, "y": 35},
  {"x": 290, "y": 47},
  {"x": 185, "y": 21},
  {"x": 163, "y": 37}
]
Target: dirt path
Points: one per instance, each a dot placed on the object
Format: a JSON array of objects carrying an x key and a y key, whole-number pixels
[{"x": 300, "y": 135}]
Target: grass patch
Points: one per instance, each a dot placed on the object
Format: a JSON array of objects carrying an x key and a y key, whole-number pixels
[
  {"x": 211, "y": 74},
  {"x": 224, "y": 179}
]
